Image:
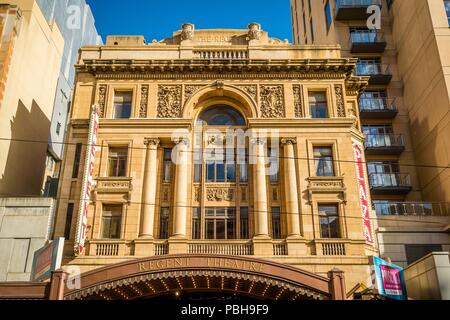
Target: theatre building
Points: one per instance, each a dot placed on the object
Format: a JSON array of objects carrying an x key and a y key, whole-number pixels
[{"x": 284, "y": 216}]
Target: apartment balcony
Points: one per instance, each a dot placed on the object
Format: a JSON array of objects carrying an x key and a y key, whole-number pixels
[
  {"x": 390, "y": 183},
  {"x": 367, "y": 41},
  {"x": 427, "y": 209},
  {"x": 384, "y": 144},
  {"x": 382, "y": 108},
  {"x": 380, "y": 74},
  {"x": 354, "y": 9}
]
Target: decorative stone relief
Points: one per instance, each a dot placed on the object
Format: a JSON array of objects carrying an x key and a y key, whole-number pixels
[
  {"x": 219, "y": 194},
  {"x": 165, "y": 193},
  {"x": 340, "y": 101},
  {"x": 169, "y": 101},
  {"x": 254, "y": 31},
  {"x": 144, "y": 102},
  {"x": 102, "y": 99},
  {"x": 187, "y": 32},
  {"x": 197, "y": 194},
  {"x": 298, "y": 101},
  {"x": 252, "y": 90},
  {"x": 272, "y": 101},
  {"x": 190, "y": 90}
]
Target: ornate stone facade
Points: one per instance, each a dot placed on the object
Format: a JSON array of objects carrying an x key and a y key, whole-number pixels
[
  {"x": 144, "y": 102},
  {"x": 167, "y": 209},
  {"x": 340, "y": 101},
  {"x": 272, "y": 101},
  {"x": 102, "y": 89},
  {"x": 169, "y": 101}
]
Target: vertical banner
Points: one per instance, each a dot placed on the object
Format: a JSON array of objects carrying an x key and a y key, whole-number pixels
[
  {"x": 88, "y": 181},
  {"x": 389, "y": 279},
  {"x": 363, "y": 194}
]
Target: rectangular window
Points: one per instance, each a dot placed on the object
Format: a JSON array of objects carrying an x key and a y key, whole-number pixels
[
  {"x": 117, "y": 162},
  {"x": 69, "y": 217},
  {"x": 447, "y": 9},
  {"x": 312, "y": 29},
  {"x": 196, "y": 223},
  {"x": 323, "y": 159},
  {"x": 76, "y": 162},
  {"x": 219, "y": 170},
  {"x": 318, "y": 104},
  {"x": 243, "y": 165},
  {"x": 220, "y": 223},
  {"x": 164, "y": 224},
  {"x": 329, "y": 221},
  {"x": 276, "y": 223},
  {"x": 244, "y": 234},
  {"x": 167, "y": 165},
  {"x": 122, "y": 104},
  {"x": 111, "y": 221},
  {"x": 328, "y": 16},
  {"x": 273, "y": 164}
]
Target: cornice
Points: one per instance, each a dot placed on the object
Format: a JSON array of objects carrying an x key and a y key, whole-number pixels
[{"x": 213, "y": 68}]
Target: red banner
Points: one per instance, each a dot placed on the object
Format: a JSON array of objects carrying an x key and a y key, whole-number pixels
[
  {"x": 363, "y": 194},
  {"x": 88, "y": 182}
]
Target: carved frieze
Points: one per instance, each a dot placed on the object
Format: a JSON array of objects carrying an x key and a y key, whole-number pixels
[
  {"x": 220, "y": 194},
  {"x": 272, "y": 101},
  {"x": 340, "y": 100},
  {"x": 252, "y": 90},
  {"x": 144, "y": 102},
  {"x": 298, "y": 101},
  {"x": 190, "y": 90},
  {"x": 102, "y": 99},
  {"x": 169, "y": 101}
]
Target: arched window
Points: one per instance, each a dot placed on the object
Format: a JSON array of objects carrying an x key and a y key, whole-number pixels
[{"x": 222, "y": 116}]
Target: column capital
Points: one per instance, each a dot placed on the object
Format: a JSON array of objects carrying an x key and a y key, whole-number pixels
[
  {"x": 258, "y": 141},
  {"x": 181, "y": 140},
  {"x": 152, "y": 142},
  {"x": 288, "y": 141}
]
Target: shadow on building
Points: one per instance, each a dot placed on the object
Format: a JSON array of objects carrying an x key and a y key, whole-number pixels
[{"x": 25, "y": 166}]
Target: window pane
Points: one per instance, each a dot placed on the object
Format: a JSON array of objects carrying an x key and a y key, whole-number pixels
[
  {"x": 324, "y": 162},
  {"x": 197, "y": 173},
  {"x": 244, "y": 234},
  {"x": 196, "y": 223},
  {"x": 118, "y": 158},
  {"x": 231, "y": 173},
  {"x": 220, "y": 229},
  {"x": 210, "y": 172},
  {"x": 68, "y": 221},
  {"x": 231, "y": 229},
  {"x": 276, "y": 223},
  {"x": 209, "y": 229},
  {"x": 122, "y": 104},
  {"x": 329, "y": 221},
  {"x": 164, "y": 224},
  {"x": 220, "y": 174},
  {"x": 111, "y": 222}
]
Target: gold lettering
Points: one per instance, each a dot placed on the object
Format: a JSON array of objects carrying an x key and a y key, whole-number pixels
[
  {"x": 159, "y": 264},
  {"x": 253, "y": 266},
  {"x": 179, "y": 262},
  {"x": 142, "y": 267},
  {"x": 152, "y": 265},
  {"x": 169, "y": 263}
]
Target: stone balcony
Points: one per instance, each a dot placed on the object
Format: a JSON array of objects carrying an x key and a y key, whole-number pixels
[{"x": 277, "y": 248}]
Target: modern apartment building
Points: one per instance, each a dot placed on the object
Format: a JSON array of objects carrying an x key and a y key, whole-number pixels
[
  {"x": 404, "y": 111},
  {"x": 77, "y": 25}
]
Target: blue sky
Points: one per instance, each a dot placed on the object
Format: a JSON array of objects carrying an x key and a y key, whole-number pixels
[{"x": 158, "y": 19}]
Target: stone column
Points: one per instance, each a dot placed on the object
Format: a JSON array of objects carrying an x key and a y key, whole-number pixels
[
  {"x": 291, "y": 189},
  {"x": 149, "y": 188},
  {"x": 260, "y": 190},
  {"x": 181, "y": 188},
  {"x": 57, "y": 285},
  {"x": 336, "y": 284}
]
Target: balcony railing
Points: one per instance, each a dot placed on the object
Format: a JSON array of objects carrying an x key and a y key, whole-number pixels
[
  {"x": 221, "y": 54},
  {"x": 378, "y": 73},
  {"x": 107, "y": 249},
  {"x": 412, "y": 209},
  {"x": 385, "y": 144},
  {"x": 377, "y": 108},
  {"x": 354, "y": 9},
  {"x": 226, "y": 248},
  {"x": 367, "y": 41},
  {"x": 333, "y": 249},
  {"x": 161, "y": 248},
  {"x": 280, "y": 249},
  {"x": 387, "y": 183}
]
